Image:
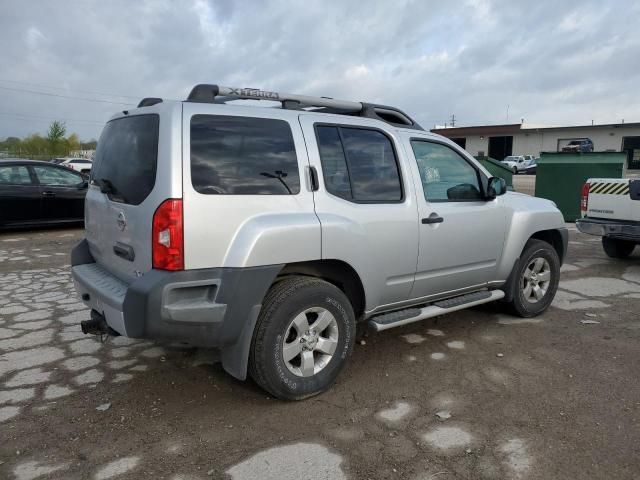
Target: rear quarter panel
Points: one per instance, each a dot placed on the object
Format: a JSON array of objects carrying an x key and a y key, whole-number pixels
[{"x": 248, "y": 230}]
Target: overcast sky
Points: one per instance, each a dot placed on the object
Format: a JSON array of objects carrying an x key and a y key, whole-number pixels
[{"x": 547, "y": 61}]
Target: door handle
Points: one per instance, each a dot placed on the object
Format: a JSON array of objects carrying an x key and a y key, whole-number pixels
[
  {"x": 48, "y": 194},
  {"x": 433, "y": 218},
  {"x": 124, "y": 251},
  {"x": 313, "y": 179}
]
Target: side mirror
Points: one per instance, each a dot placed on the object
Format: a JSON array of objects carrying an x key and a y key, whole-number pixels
[
  {"x": 496, "y": 187},
  {"x": 84, "y": 184}
]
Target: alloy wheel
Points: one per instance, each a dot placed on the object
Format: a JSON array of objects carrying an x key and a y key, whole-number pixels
[{"x": 310, "y": 341}]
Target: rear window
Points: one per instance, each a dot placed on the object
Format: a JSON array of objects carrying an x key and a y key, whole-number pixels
[
  {"x": 14, "y": 175},
  {"x": 127, "y": 156},
  {"x": 243, "y": 156}
]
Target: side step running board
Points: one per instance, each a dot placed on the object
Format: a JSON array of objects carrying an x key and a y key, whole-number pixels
[{"x": 410, "y": 315}]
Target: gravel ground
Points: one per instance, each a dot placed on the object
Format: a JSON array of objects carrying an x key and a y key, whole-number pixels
[
  {"x": 474, "y": 395},
  {"x": 524, "y": 184}
]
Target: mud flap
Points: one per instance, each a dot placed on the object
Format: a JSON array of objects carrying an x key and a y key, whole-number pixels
[
  {"x": 235, "y": 358},
  {"x": 507, "y": 287}
]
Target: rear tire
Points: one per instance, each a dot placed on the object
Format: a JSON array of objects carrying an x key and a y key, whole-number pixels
[
  {"x": 535, "y": 279},
  {"x": 617, "y": 248},
  {"x": 515, "y": 170},
  {"x": 291, "y": 359}
]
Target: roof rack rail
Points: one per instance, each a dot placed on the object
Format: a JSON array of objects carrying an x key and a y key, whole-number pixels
[{"x": 205, "y": 93}]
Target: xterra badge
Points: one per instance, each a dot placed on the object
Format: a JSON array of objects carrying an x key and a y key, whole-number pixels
[{"x": 121, "y": 221}]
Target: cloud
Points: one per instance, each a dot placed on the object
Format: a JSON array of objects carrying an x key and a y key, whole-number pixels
[
  {"x": 551, "y": 62},
  {"x": 33, "y": 38}
]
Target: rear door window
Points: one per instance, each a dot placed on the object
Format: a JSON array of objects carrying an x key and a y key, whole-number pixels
[
  {"x": 127, "y": 156},
  {"x": 334, "y": 163},
  {"x": 243, "y": 156},
  {"x": 14, "y": 175},
  {"x": 359, "y": 164}
]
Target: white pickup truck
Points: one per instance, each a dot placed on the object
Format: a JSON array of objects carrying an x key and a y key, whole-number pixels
[{"x": 610, "y": 208}]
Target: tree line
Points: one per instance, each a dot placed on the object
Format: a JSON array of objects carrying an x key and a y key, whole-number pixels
[{"x": 56, "y": 143}]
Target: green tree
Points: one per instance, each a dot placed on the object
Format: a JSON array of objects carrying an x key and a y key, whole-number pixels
[
  {"x": 55, "y": 144},
  {"x": 72, "y": 143},
  {"x": 35, "y": 145},
  {"x": 55, "y": 137},
  {"x": 90, "y": 145},
  {"x": 11, "y": 145}
]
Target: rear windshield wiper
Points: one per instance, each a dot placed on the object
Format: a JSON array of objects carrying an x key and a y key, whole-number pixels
[
  {"x": 105, "y": 185},
  {"x": 279, "y": 175}
]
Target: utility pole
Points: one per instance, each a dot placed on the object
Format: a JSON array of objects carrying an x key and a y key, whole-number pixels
[{"x": 453, "y": 120}]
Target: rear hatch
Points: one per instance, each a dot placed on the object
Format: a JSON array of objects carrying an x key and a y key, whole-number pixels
[
  {"x": 611, "y": 198},
  {"x": 118, "y": 206}
]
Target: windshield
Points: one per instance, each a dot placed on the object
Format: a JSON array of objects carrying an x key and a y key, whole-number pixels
[{"x": 126, "y": 157}]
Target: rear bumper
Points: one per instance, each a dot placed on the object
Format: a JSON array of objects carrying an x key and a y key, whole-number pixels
[
  {"x": 206, "y": 307},
  {"x": 625, "y": 230}
]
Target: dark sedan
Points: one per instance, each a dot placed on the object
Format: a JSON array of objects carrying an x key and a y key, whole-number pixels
[
  {"x": 37, "y": 193},
  {"x": 531, "y": 168}
]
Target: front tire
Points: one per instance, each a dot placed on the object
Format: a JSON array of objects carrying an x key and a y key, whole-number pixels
[
  {"x": 304, "y": 334},
  {"x": 617, "y": 248},
  {"x": 536, "y": 278}
]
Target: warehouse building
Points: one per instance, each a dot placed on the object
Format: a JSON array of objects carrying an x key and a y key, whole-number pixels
[{"x": 499, "y": 141}]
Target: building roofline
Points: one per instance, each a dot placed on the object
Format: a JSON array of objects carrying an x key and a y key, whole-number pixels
[
  {"x": 477, "y": 130},
  {"x": 519, "y": 127},
  {"x": 600, "y": 125}
]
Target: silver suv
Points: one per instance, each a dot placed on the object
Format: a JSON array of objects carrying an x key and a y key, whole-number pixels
[{"x": 270, "y": 232}]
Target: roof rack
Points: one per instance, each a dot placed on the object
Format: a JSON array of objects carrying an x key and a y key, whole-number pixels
[{"x": 205, "y": 93}]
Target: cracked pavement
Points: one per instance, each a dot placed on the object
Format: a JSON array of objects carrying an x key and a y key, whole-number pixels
[{"x": 477, "y": 394}]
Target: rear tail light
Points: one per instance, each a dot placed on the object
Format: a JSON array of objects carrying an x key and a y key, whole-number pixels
[
  {"x": 167, "y": 236},
  {"x": 584, "y": 199}
]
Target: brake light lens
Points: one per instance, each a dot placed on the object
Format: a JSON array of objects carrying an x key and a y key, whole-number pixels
[
  {"x": 168, "y": 236},
  {"x": 584, "y": 199}
]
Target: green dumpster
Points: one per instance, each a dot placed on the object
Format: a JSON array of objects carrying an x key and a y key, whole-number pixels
[
  {"x": 560, "y": 176},
  {"x": 497, "y": 169}
]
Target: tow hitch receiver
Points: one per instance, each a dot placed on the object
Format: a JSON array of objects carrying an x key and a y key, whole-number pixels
[{"x": 96, "y": 326}]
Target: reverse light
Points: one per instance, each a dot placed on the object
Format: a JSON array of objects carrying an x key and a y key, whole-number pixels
[
  {"x": 168, "y": 236},
  {"x": 584, "y": 198}
]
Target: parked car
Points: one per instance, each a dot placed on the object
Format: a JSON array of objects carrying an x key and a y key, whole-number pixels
[
  {"x": 582, "y": 145},
  {"x": 610, "y": 209},
  {"x": 269, "y": 232},
  {"x": 530, "y": 168},
  {"x": 36, "y": 193},
  {"x": 81, "y": 165},
  {"x": 516, "y": 163}
]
